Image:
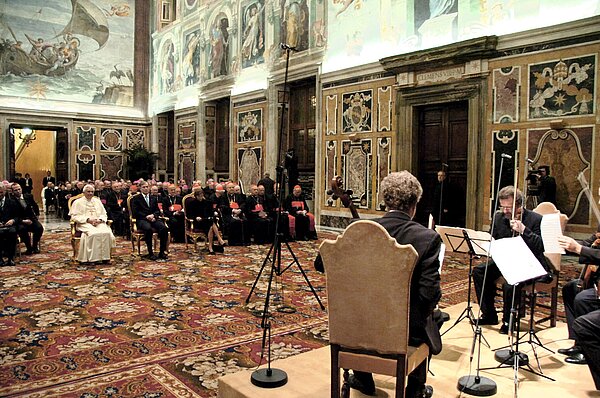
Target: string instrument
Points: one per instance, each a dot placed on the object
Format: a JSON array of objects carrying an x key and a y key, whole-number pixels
[
  {"x": 589, "y": 269},
  {"x": 337, "y": 192}
]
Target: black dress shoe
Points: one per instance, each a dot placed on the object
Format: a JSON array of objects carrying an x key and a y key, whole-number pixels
[
  {"x": 576, "y": 359},
  {"x": 504, "y": 328},
  {"x": 485, "y": 320},
  {"x": 2, "y": 263},
  {"x": 36, "y": 251},
  {"x": 360, "y": 386},
  {"x": 28, "y": 252},
  {"x": 152, "y": 257},
  {"x": 570, "y": 351},
  {"x": 427, "y": 392},
  {"x": 10, "y": 263},
  {"x": 163, "y": 256}
]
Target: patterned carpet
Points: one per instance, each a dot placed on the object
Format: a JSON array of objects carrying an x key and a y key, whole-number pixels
[{"x": 135, "y": 328}]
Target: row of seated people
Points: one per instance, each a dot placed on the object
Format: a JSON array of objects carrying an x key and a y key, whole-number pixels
[{"x": 18, "y": 220}]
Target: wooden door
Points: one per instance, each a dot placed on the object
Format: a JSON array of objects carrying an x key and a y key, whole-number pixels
[{"x": 443, "y": 140}]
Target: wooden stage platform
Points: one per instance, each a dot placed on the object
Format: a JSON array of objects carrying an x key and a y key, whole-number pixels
[{"x": 308, "y": 373}]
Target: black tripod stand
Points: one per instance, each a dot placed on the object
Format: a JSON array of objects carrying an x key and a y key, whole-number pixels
[{"x": 269, "y": 377}]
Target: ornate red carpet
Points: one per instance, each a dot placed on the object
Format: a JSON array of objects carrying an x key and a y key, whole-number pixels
[{"x": 155, "y": 329}]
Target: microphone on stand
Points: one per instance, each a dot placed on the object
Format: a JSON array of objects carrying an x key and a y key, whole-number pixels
[
  {"x": 506, "y": 156},
  {"x": 287, "y": 47},
  {"x": 445, "y": 165},
  {"x": 529, "y": 160}
]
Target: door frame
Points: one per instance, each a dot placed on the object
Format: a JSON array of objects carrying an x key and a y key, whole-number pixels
[{"x": 470, "y": 90}]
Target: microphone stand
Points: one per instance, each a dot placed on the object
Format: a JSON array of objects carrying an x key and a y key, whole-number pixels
[
  {"x": 478, "y": 385},
  {"x": 271, "y": 377}
]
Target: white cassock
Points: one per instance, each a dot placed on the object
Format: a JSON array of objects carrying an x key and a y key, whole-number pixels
[{"x": 96, "y": 242}]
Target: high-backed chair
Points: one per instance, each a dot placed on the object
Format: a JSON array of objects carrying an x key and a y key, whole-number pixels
[
  {"x": 75, "y": 234},
  {"x": 190, "y": 233},
  {"x": 368, "y": 289},
  {"x": 550, "y": 288},
  {"x": 137, "y": 237}
]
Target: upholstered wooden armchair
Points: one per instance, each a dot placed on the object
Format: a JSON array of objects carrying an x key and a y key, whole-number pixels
[
  {"x": 550, "y": 288},
  {"x": 191, "y": 234},
  {"x": 368, "y": 289},
  {"x": 138, "y": 236},
  {"x": 75, "y": 234}
]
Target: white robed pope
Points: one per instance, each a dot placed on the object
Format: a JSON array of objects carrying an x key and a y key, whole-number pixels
[{"x": 97, "y": 238}]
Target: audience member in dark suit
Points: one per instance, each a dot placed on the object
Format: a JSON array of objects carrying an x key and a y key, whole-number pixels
[
  {"x": 62, "y": 197},
  {"x": 50, "y": 196},
  {"x": 232, "y": 207},
  {"x": 527, "y": 224},
  {"x": 29, "y": 221},
  {"x": 10, "y": 217},
  {"x": 144, "y": 208},
  {"x": 268, "y": 183},
  {"x": 271, "y": 205},
  {"x": 115, "y": 202},
  {"x": 302, "y": 222},
  {"x": 28, "y": 184},
  {"x": 173, "y": 211},
  {"x": 200, "y": 210},
  {"x": 258, "y": 218},
  {"x": 583, "y": 315},
  {"x": 546, "y": 185},
  {"x": 48, "y": 178},
  {"x": 401, "y": 192}
]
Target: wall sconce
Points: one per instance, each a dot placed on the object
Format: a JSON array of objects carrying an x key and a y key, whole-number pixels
[
  {"x": 27, "y": 135},
  {"x": 313, "y": 101}
]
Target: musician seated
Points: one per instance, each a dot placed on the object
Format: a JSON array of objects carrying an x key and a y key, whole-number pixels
[
  {"x": 506, "y": 225},
  {"x": 173, "y": 210},
  {"x": 29, "y": 222},
  {"x": 97, "y": 238},
  {"x": 302, "y": 223},
  {"x": 201, "y": 211}
]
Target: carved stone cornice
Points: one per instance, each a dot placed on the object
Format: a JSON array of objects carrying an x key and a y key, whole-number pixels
[{"x": 451, "y": 54}]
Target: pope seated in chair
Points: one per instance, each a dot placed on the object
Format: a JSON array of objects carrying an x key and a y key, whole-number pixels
[{"x": 97, "y": 239}]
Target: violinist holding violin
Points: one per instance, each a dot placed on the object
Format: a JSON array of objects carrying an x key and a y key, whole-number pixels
[{"x": 512, "y": 219}]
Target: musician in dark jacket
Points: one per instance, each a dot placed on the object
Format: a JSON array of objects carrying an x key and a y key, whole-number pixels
[
  {"x": 401, "y": 192},
  {"x": 583, "y": 314},
  {"x": 527, "y": 224},
  {"x": 173, "y": 210},
  {"x": 10, "y": 217},
  {"x": 29, "y": 221},
  {"x": 144, "y": 208}
]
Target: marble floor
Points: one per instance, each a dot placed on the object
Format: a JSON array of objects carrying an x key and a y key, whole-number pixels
[{"x": 52, "y": 222}]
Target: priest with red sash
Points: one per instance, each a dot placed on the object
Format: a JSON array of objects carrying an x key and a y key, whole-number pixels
[
  {"x": 302, "y": 223},
  {"x": 172, "y": 207},
  {"x": 232, "y": 207},
  {"x": 258, "y": 217}
]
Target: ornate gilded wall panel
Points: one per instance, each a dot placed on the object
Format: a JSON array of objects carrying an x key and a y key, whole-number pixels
[
  {"x": 111, "y": 139},
  {"x": 331, "y": 167},
  {"x": 135, "y": 137},
  {"x": 111, "y": 166},
  {"x": 86, "y": 138},
  {"x": 563, "y": 87},
  {"x": 568, "y": 152},
  {"x": 186, "y": 135},
  {"x": 250, "y": 126},
  {"x": 356, "y": 170},
  {"x": 331, "y": 114},
  {"x": 506, "y": 92},
  {"x": 384, "y": 108},
  {"x": 187, "y": 166},
  {"x": 85, "y": 166},
  {"x": 384, "y": 160},
  {"x": 357, "y": 111},
  {"x": 249, "y": 162}
]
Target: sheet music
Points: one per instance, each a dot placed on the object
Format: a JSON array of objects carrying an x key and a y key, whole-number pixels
[
  {"x": 481, "y": 241},
  {"x": 515, "y": 260},
  {"x": 441, "y": 257},
  {"x": 551, "y": 230},
  {"x": 453, "y": 238}
]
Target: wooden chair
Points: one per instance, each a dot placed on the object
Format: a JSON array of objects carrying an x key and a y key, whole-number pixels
[
  {"x": 190, "y": 233},
  {"x": 137, "y": 237},
  {"x": 368, "y": 289},
  {"x": 549, "y": 288},
  {"x": 75, "y": 234}
]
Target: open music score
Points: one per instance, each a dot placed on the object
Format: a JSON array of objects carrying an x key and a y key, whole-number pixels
[{"x": 454, "y": 239}]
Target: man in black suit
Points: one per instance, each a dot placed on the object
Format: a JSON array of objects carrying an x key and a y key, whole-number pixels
[
  {"x": 144, "y": 208},
  {"x": 29, "y": 221},
  {"x": 48, "y": 178},
  {"x": 27, "y": 184},
  {"x": 10, "y": 217},
  {"x": 115, "y": 203},
  {"x": 401, "y": 192},
  {"x": 527, "y": 224}
]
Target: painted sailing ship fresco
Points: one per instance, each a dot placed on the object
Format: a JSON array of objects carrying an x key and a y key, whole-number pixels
[
  {"x": 55, "y": 59},
  {"x": 85, "y": 59}
]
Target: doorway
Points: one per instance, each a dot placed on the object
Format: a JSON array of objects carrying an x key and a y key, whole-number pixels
[
  {"x": 443, "y": 144},
  {"x": 34, "y": 150}
]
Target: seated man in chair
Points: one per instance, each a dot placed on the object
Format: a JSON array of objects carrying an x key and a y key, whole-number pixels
[
  {"x": 144, "y": 208},
  {"x": 97, "y": 238},
  {"x": 30, "y": 222},
  {"x": 401, "y": 192}
]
